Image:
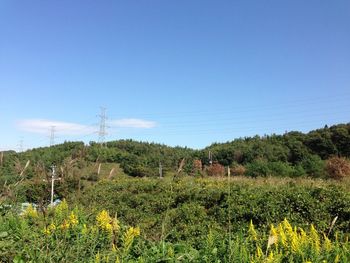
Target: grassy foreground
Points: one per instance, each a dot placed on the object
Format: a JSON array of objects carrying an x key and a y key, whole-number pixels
[
  {"x": 64, "y": 235},
  {"x": 185, "y": 220}
]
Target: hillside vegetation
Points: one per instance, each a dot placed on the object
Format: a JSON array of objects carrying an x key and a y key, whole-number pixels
[{"x": 286, "y": 200}]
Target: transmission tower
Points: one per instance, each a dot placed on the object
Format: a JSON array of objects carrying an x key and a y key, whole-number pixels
[
  {"x": 52, "y": 135},
  {"x": 102, "y": 132},
  {"x": 20, "y": 145}
]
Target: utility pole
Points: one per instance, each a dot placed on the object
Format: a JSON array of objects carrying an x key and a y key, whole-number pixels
[
  {"x": 53, "y": 179},
  {"x": 210, "y": 158},
  {"x": 1, "y": 158},
  {"x": 160, "y": 170},
  {"x": 102, "y": 132},
  {"x": 52, "y": 135}
]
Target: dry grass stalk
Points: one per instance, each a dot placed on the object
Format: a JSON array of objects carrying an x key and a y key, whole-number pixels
[
  {"x": 182, "y": 163},
  {"x": 111, "y": 173},
  {"x": 25, "y": 167},
  {"x": 99, "y": 168}
]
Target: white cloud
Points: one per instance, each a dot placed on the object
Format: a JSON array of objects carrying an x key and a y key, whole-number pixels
[
  {"x": 133, "y": 123},
  {"x": 44, "y": 126}
]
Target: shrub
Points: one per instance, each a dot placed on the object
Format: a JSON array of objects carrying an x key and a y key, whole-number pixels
[
  {"x": 314, "y": 166},
  {"x": 338, "y": 167},
  {"x": 238, "y": 170},
  {"x": 257, "y": 168},
  {"x": 216, "y": 169}
]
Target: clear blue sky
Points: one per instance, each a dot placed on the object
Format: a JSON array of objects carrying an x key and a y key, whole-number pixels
[{"x": 180, "y": 72}]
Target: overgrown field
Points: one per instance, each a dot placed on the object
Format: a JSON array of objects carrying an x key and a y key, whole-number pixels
[{"x": 186, "y": 220}]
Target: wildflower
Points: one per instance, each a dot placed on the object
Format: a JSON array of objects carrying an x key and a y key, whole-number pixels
[
  {"x": 288, "y": 228},
  {"x": 282, "y": 236},
  {"x": 62, "y": 208},
  {"x": 270, "y": 258},
  {"x": 129, "y": 236},
  {"x": 47, "y": 231},
  {"x": 97, "y": 258},
  {"x": 252, "y": 231},
  {"x": 114, "y": 248},
  {"x": 73, "y": 219},
  {"x": 302, "y": 236},
  {"x": 294, "y": 241},
  {"x": 65, "y": 225},
  {"x": 132, "y": 232},
  {"x": 30, "y": 212},
  {"x": 104, "y": 221},
  {"x": 327, "y": 244},
  {"x": 314, "y": 238},
  {"x": 102, "y": 218},
  {"x": 52, "y": 227},
  {"x": 259, "y": 252},
  {"x": 337, "y": 259}
]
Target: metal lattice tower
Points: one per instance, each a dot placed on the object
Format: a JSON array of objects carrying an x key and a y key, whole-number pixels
[
  {"x": 52, "y": 135},
  {"x": 102, "y": 132},
  {"x": 20, "y": 145}
]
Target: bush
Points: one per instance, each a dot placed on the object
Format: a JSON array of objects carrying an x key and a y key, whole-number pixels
[
  {"x": 238, "y": 170},
  {"x": 314, "y": 166},
  {"x": 216, "y": 169},
  {"x": 338, "y": 167},
  {"x": 257, "y": 168}
]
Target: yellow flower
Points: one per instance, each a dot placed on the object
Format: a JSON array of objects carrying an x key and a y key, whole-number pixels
[
  {"x": 302, "y": 237},
  {"x": 104, "y": 221},
  {"x": 282, "y": 236},
  {"x": 294, "y": 242},
  {"x": 288, "y": 228},
  {"x": 73, "y": 219},
  {"x": 270, "y": 258},
  {"x": 103, "y": 218},
  {"x": 62, "y": 208},
  {"x": 52, "y": 227},
  {"x": 47, "y": 231},
  {"x": 327, "y": 244},
  {"x": 314, "y": 238},
  {"x": 259, "y": 252},
  {"x": 114, "y": 248},
  {"x": 252, "y": 232},
  {"x": 30, "y": 212},
  {"x": 129, "y": 236},
  {"x": 65, "y": 225}
]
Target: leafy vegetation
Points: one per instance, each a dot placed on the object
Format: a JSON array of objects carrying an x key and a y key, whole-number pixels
[
  {"x": 121, "y": 211},
  {"x": 70, "y": 235}
]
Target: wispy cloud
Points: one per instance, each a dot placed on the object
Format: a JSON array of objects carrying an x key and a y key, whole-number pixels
[
  {"x": 133, "y": 123},
  {"x": 43, "y": 127}
]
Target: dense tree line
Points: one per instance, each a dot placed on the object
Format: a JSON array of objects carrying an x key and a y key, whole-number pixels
[{"x": 291, "y": 154}]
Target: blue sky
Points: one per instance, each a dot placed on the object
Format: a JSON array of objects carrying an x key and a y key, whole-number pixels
[{"x": 186, "y": 73}]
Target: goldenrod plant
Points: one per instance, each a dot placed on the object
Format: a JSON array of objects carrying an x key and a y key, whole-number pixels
[{"x": 62, "y": 234}]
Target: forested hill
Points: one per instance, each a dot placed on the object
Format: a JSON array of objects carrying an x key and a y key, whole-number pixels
[{"x": 290, "y": 154}]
